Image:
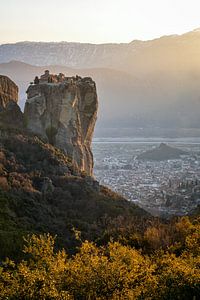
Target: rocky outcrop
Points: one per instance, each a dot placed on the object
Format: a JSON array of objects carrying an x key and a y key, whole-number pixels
[
  {"x": 64, "y": 113},
  {"x": 10, "y": 113},
  {"x": 8, "y": 91}
]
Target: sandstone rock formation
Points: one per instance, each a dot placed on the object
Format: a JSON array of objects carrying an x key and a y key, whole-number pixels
[
  {"x": 8, "y": 91},
  {"x": 10, "y": 113},
  {"x": 64, "y": 113}
]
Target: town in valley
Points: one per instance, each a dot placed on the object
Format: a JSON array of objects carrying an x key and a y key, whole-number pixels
[{"x": 163, "y": 187}]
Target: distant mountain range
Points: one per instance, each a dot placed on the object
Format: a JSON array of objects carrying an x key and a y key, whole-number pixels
[{"x": 143, "y": 86}]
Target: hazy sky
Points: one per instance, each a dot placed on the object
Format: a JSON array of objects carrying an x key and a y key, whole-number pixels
[{"x": 95, "y": 21}]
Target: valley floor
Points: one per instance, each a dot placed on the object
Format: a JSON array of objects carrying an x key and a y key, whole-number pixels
[{"x": 170, "y": 187}]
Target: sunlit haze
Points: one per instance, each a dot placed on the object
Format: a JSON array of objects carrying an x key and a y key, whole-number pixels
[{"x": 95, "y": 21}]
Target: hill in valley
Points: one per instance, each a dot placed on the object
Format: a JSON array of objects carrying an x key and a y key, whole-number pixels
[{"x": 163, "y": 152}]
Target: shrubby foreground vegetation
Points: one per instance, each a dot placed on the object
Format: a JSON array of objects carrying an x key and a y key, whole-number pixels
[
  {"x": 168, "y": 267},
  {"x": 122, "y": 253}
]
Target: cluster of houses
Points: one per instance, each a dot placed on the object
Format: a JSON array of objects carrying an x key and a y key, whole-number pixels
[{"x": 167, "y": 187}]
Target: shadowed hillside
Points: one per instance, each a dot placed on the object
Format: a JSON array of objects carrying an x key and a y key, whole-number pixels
[{"x": 41, "y": 191}]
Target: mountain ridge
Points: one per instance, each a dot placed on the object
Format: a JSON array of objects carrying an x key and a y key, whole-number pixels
[
  {"x": 110, "y": 43},
  {"x": 151, "y": 84}
]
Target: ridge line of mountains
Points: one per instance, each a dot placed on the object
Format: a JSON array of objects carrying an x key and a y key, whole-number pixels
[{"x": 145, "y": 88}]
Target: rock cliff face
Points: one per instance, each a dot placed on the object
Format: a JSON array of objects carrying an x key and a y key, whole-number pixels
[
  {"x": 10, "y": 113},
  {"x": 65, "y": 113},
  {"x": 8, "y": 91}
]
